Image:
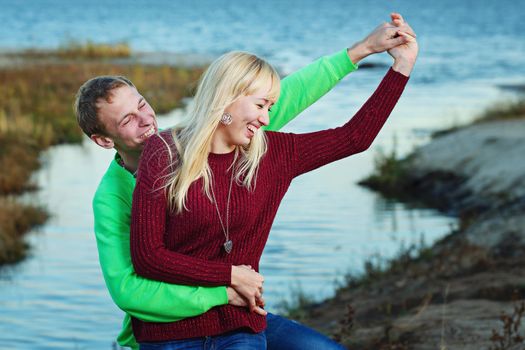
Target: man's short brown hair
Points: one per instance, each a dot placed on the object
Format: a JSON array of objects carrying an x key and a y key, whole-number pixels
[{"x": 86, "y": 101}]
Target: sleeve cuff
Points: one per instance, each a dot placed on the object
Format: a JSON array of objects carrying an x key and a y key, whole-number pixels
[
  {"x": 341, "y": 63},
  {"x": 224, "y": 300}
]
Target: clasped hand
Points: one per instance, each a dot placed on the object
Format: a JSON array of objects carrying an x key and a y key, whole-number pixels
[{"x": 246, "y": 289}]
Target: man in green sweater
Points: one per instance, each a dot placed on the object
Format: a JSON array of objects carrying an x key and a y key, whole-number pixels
[{"x": 114, "y": 115}]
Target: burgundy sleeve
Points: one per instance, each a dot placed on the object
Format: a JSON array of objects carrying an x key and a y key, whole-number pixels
[
  {"x": 149, "y": 255},
  {"x": 312, "y": 150}
]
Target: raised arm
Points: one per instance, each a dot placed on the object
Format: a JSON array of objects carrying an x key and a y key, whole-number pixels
[
  {"x": 158, "y": 301},
  {"x": 319, "y": 148},
  {"x": 303, "y": 88},
  {"x": 313, "y": 150}
]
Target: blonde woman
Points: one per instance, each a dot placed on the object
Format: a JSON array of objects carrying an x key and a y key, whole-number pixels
[{"x": 208, "y": 190}]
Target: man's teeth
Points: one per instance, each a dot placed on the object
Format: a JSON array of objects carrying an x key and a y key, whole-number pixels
[
  {"x": 252, "y": 128},
  {"x": 149, "y": 132}
]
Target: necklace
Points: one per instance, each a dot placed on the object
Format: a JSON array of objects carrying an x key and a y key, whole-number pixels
[{"x": 228, "y": 244}]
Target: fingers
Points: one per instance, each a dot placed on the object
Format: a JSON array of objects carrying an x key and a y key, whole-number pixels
[
  {"x": 260, "y": 302},
  {"x": 393, "y": 32},
  {"x": 407, "y": 29},
  {"x": 397, "y": 18},
  {"x": 260, "y": 311},
  {"x": 406, "y": 36},
  {"x": 259, "y": 307},
  {"x": 400, "y": 40},
  {"x": 399, "y": 22}
]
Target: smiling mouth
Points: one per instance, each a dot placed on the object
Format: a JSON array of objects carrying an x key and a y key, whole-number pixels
[
  {"x": 252, "y": 129},
  {"x": 148, "y": 133}
]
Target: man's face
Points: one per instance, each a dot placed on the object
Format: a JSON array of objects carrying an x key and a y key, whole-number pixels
[{"x": 127, "y": 118}]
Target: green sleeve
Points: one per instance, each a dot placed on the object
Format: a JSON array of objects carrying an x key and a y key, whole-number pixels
[
  {"x": 148, "y": 300},
  {"x": 304, "y": 87}
]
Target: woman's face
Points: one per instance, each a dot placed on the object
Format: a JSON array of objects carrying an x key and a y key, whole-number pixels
[{"x": 249, "y": 113}]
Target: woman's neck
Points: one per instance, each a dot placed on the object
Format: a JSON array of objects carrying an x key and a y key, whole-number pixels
[{"x": 220, "y": 146}]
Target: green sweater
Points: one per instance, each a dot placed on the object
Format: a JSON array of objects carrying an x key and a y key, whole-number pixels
[{"x": 155, "y": 301}]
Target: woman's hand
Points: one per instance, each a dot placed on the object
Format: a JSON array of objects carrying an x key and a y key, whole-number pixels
[
  {"x": 404, "y": 55},
  {"x": 236, "y": 299},
  {"x": 249, "y": 284}
]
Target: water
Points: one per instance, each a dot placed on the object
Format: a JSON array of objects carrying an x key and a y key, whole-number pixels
[{"x": 327, "y": 225}]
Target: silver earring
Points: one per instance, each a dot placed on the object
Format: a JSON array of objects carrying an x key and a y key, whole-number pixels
[{"x": 226, "y": 119}]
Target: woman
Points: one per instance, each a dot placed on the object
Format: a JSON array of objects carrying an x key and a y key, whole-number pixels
[{"x": 208, "y": 190}]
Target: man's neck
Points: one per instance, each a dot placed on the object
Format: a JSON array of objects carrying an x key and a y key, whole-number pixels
[{"x": 130, "y": 161}]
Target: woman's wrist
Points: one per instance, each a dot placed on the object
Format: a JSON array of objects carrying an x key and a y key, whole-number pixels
[{"x": 403, "y": 66}]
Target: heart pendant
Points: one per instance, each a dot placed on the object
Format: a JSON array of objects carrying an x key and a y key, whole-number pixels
[{"x": 228, "y": 246}]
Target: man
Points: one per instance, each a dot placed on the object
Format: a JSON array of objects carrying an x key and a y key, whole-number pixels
[{"x": 115, "y": 115}]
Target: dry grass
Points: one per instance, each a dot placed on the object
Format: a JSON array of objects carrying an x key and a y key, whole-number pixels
[
  {"x": 36, "y": 108},
  {"x": 36, "y": 112},
  {"x": 16, "y": 220},
  {"x": 44, "y": 94},
  {"x": 18, "y": 158},
  {"x": 80, "y": 50},
  {"x": 504, "y": 111}
]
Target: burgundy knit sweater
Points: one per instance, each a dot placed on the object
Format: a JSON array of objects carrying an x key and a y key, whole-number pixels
[{"x": 187, "y": 248}]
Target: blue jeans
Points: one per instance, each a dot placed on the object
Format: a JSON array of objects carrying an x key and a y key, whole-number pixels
[
  {"x": 285, "y": 334},
  {"x": 236, "y": 340},
  {"x": 280, "y": 334}
]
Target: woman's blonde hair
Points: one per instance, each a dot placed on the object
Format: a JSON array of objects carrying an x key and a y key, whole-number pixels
[{"x": 228, "y": 78}]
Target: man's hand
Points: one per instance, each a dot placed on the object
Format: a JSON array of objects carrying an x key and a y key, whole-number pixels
[
  {"x": 385, "y": 37},
  {"x": 236, "y": 299}
]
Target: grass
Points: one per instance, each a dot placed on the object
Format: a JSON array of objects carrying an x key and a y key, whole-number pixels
[
  {"x": 376, "y": 267},
  {"x": 388, "y": 176},
  {"x": 296, "y": 308},
  {"x": 507, "y": 110},
  {"x": 36, "y": 111},
  {"x": 80, "y": 50},
  {"x": 504, "y": 111},
  {"x": 89, "y": 49},
  {"x": 15, "y": 220},
  {"x": 510, "y": 336},
  {"x": 44, "y": 94}
]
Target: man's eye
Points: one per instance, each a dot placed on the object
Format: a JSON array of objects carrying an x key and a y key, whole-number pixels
[
  {"x": 126, "y": 121},
  {"x": 260, "y": 106},
  {"x": 142, "y": 106}
]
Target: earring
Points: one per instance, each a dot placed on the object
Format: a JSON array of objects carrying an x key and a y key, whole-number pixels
[{"x": 226, "y": 119}]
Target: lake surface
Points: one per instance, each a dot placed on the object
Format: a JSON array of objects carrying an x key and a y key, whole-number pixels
[{"x": 327, "y": 226}]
